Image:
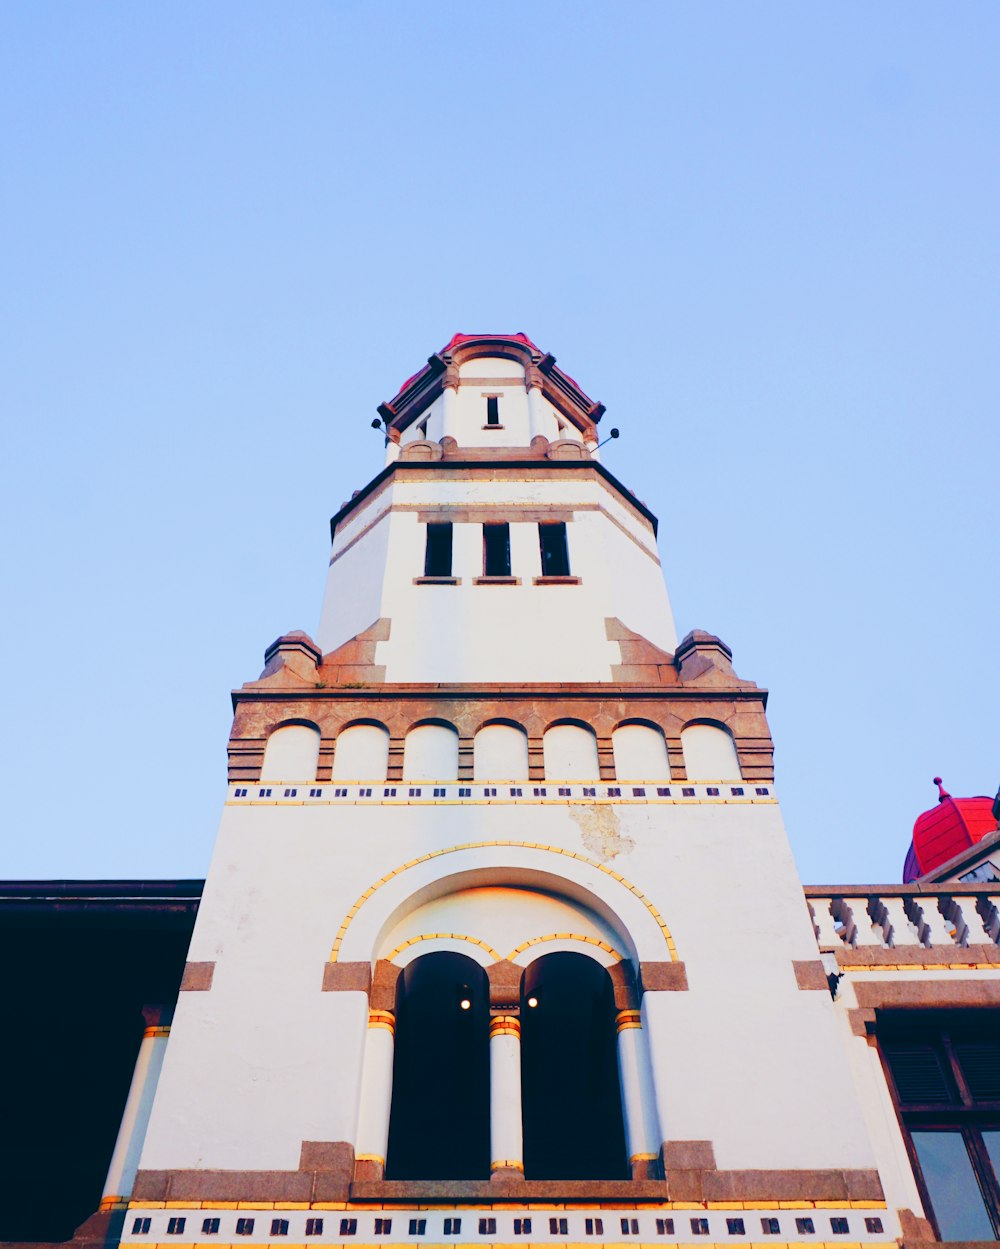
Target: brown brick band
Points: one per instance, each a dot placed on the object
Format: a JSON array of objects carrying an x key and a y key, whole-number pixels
[
  {"x": 662, "y": 977},
  {"x": 347, "y": 978},
  {"x": 940, "y": 993},
  {"x": 324, "y": 1174},
  {"x": 197, "y": 977},
  {"x": 916, "y": 955},
  {"x": 810, "y": 974}
]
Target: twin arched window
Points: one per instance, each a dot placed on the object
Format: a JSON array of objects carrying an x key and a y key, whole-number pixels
[{"x": 571, "y": 1113}]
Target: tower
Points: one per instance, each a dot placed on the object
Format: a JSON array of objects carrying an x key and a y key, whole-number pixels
[{"x": 502, "y": 940}]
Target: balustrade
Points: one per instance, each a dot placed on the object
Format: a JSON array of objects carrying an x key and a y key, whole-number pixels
[{"x": 905, "y": 916}]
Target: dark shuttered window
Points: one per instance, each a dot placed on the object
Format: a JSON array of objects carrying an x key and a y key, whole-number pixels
[
  {"x": 496, "y": 550},
  {"x": 555, "y": 551},
  {"x": 437, "y": 559}
]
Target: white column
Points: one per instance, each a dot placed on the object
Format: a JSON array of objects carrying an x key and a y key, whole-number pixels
[
  {"x": 536, "y": 413},
  {"x": 642, "y": 1133},
  {"x": 376, "y": 1090},
  {"x": 506, "y": 1139},
  {"x": 449, "y": 413},
  {"x": 135, "y": 1118}
]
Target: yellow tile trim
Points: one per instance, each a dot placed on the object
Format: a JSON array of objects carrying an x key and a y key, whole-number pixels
[
  {"x": 566, "y": 936},
  {"x": 443, "y": 936},
  {"x": 523, "y": 845},
  {"x": 365, "y": 1158}
]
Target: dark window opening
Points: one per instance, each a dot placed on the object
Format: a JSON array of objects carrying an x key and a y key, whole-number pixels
[
  {"x": 493, "y": 410},
  {"x": 570, "y": 1099},
  {"x": 522, "y": 1227},
  {"x": 418, "y": 1227},
  {"x": 945, "y": 1076},
  {"x": 439, "y": 1125},
  {"x": 437, "y": 559},
  {"x": 314, "y": 1227},
  {"x": 555, "y": 552},
  {"x": 496, "y": 550}
]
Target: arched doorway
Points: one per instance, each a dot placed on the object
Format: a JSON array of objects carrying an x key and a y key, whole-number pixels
[
  {"x": 570, "y": 1096},
  {"x": 439, "y": 1124}
]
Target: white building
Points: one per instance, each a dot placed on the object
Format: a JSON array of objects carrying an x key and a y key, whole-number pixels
[{"x": 502, "y": 941}]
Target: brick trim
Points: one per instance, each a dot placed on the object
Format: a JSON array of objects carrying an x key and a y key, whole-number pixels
[
  {"x": 347, "y": 978},
  {"x": 810, "y": 974},
  {"x": 657, "y": 977},
  {"x": 197, "y": 977}
]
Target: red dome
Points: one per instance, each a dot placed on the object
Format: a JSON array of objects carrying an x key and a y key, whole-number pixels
[{"x": 952, "y": 826}]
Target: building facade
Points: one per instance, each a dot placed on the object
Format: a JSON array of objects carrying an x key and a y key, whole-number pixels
[{"x": 502, "y": 941}]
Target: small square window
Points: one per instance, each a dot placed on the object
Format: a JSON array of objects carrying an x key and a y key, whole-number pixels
[
  {"x": 176, "y": 1225},
  {"x": 314, "y": 1227},
  {"x": 291, "y": 793},
  {"x": 364, "y": 793},
  {"x": 141, "y": 1226},
  {"x": 340, "y": 793},
  {"x": 558, "y": 1227},
  {"x": 595, "y": 1227},
  {"x": 664, "y": 1227},
  {"x": 315, "y": 793},
  {"x": 418, "y": 1227},
  {"x": 805, "y": 1227},
  {"x": 244, "y": 1227},
  {"x": 522, "y": 1227},
  {"x": 770, "y": 1227},
  {"x": 415, "y": 793},
  {"x": 630, "y": 1227},
  {"x": 489, "y": 793},
  {"x": 348, "y": 1227},
  {"x": 264, "y": 793},
  {"x": 487, "y": 1227},
  {"x": 540, "y": 793},
  {"x": 839, "y": 1227},
  {"x": 761, "y": 791},
  {"x": 241, "y": 793},
  {"x": 712, "y": 791},
  {"x": 736, "y": 791},
  {"x": 699, "y": 1227},
  {"x": 440, "y": 792},
  {"x": 638, "y": 791},
  {"x": 687, "y": 791},
  {"x": 564, "y": 792},
  {"x": 465, "y": 793},
  {"x": 662, "y": 791},
  {"x": 516, "y": 792},
  {"x": 614, "y": 792},
  {"x": 383, "y": 1227},
  {"x": 452, "y": 1227},
  {"x": 388, "y": 793},
  {"x": 736, "y": 1227},
  {"x": 210, "y": 1227},
  {"x": 589, "y": 791},
  {"x": 279, "y": 1227},
  {"x": 873, "y": 1225}
]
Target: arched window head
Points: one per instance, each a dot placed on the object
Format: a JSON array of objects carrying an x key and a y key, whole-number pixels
[
  {"x": 501, "y": 753},
  {"x": 431, "y": 753},
  {"x": 709, "y": 753},
  {"x": 570, "y": 753},
  {"x": 291, "y": 754},
  {"x": 570, "y": 1096},
  {"x": 439, "y": 1125},
  {"x": 640, "y": 753},
  {"x": 361, "y": 753}
]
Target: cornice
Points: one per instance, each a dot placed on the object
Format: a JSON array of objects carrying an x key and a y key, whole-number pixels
[{"x": 512, "y": 692}]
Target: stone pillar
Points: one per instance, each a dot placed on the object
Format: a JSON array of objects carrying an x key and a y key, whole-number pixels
[
  {"x": 536, "y": 409},
  {"x": 449, "y": 414},
  {"x": 638, "y": 1100},
  {"x": 376, "y": 1096},
  {"x": 506, "y": 1139},
  {"x": 138, "y": 1104}
]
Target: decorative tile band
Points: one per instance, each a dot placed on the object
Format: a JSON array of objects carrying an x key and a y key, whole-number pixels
[
  {"x": 448, "y": 793},
  {"x": 444, "y": 936}
]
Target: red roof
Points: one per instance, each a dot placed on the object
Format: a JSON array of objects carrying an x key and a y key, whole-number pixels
[
  {"x": 457, "y": 339},
  {"x": 952, "y": 826}
]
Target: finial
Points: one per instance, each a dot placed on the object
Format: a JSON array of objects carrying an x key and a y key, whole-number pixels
[{"x": 942, "y": 792}]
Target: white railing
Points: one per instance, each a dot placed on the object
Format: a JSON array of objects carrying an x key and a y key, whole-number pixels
[{"x": 897, "y": 916}]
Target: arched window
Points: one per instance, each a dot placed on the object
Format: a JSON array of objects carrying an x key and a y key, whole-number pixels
[
  {"x": 431, "y": 753},
  {"x": 361, "y": 753},
  {"x": 709, "y": 753},
  {"x": 439, "y": 1124},
  {"x": 570, "y": 1097},
  {"x": 570, "y": 753},
  {"x": 291, "y": 754},
  {"x": 640, "y": 753},
  {"x": 501, "y": 753}
]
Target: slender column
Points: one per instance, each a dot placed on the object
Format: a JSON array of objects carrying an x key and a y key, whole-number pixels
[
  {"x": 376, "y": 1094},
  {"x": 536, "y": 410},
  {"x": 138, "y": 1104},
  {"x": 506, "y": 1139},
  {"x": 449, "y": 414},
  {"x": 638, "y": 1099}
]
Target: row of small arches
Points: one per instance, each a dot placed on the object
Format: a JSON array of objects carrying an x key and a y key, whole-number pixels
[{"x": 500, "y": 753}]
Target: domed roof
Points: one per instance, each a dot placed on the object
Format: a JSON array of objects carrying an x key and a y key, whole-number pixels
[{"x": 946, "y": 830}]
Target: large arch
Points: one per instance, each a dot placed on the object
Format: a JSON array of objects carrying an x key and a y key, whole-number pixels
[
  {"x": 439, "y": 1123},
  {"x": 571, "y": 1107}
]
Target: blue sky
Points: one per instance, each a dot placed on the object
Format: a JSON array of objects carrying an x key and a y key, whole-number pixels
[{"x": 765, "y": 235}]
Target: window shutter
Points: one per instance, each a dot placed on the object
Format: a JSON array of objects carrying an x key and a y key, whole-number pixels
[
  {"x": 918, "y": 1072},
  {"x": 980, "y": 1063}
]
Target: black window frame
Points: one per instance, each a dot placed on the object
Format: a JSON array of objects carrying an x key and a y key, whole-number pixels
[
  {"x": 493, "y": 411},
  {"x": 553, "y": 547},
  {"x": 496, "y": 549},
  {"x": 439, "y": 551}
]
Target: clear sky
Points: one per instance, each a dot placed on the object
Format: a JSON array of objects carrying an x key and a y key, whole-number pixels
[{"x": 765, "y": 235}]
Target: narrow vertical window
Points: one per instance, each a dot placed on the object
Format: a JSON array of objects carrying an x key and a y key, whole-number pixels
[
  {"x": 493, "y": 410},
  {"x": 555, "y": 552},
  {"x": 437, "y": 560},
  {"x": 496, "y": 550}
]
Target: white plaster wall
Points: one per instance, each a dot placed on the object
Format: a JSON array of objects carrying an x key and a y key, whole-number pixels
[
  {"x": 291, "y": 754},
  {"x": 640, "y": 753},
  {"x": 361, "y": 753},
  {"x": 709, "y": 754},
  {"x": 430, "y": 753},
  {"x": 354, "y": 589},
  {"x": 501, "y": 754},
  {"x": 265, "y": 1059},
  {"x": 570, "y": 753}
]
